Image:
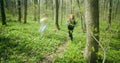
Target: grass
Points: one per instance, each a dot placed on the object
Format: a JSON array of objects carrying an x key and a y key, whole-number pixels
[{"x": 21, "y": 43}]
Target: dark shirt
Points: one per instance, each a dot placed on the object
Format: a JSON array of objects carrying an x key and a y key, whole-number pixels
[{"x": 71, "y": 24}]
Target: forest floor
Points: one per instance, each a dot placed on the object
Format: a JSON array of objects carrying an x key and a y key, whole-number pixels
[
  {"x": 58, "y": 52},
  {"x": 20, "y": 43}
]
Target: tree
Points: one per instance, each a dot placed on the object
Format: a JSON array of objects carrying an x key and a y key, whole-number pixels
[
  {"x": 25, "y": 11},
  {"x": 82, "y": 19},
  {"x": 19, "y": 10},
  {"x": 35, "y": 9},
  {"x": 92, "y": 28},
  {"x": 71, "y": 6},
  {"x": 66, "y": 7},
  {"x": 110, "y": 14},
  {"x": 46, "y": 4},
  {"x": 14, "y": 7},
  {"x": 39, "y": 11},
  {"x": 3, "y": 13},
  {"x": 56, "y": 9},
  {"x": 83, "y": 27},
  {"x": 61, "y": 11}
]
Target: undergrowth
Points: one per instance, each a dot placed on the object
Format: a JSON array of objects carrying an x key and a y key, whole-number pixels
[{"x": 21, "y": 43}]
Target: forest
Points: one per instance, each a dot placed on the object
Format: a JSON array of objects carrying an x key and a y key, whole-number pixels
[{"x": 59, "y": 31}]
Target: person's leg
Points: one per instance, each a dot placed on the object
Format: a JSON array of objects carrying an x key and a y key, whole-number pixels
[{"x": 70, "y": 34}]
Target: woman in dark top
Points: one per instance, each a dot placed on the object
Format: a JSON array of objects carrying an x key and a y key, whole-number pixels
[{"x": 70, "y": 25}]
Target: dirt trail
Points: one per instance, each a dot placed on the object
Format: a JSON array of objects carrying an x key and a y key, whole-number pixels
[{"x": 59, "y": 51}]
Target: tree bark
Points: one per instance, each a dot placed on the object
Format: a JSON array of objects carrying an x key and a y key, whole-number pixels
[
  {"x": 19, "y": 10},
  {"x": 92, "y": 28},
  {"x": 109, "y": 16},
  {"x": 66, "y": 7},
  {"x": 3, "y": 12},
  {"x": 46, "y": 4},
  {"x": 61, "y": 11},
  {"x": 25, "y": 11},
  {"x": 71, "y": 10},
  {"x": 56, "y": 13},
  {"x": 39, "y": 11},
  {"x": 83, "y": 25},
  {"x": 116, "y": 10},
  {"x": 35, "y": 9}
]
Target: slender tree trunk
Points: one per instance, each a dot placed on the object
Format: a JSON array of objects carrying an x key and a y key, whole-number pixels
[
  {"x": 61, "y": 9},
  {"x": 39, "y": 12},
  {"x": 19, "y": 10},
  {"x": 71, "y": 7},
  {"x": 14, "y": 7},
  {"x": 105, "y": 9},
  {"x": 116, "y": 10},
  {"x": 35, "y": 14},
  {"x": 92, "y": 28},
  {"x": 109, "y": 16},
  {"x": 25, "y": 11},
  {"x": 52, "y": 5},
  {"x": 35, "y": 9},
  {"x": 46, "y": 4},
  {"x": 83, "y": 26},
  {"x": 66, "y": 7},
  {"x": 78, "y": 3},
  {"x": 56, "y": 14},
  {"x": 3, "y": 12}
]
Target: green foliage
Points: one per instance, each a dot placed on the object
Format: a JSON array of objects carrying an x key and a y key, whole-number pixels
[
  {"x": 110, "y": 41},
  {"x": 72, "y": 54},
  {"x": 22, "y": 43}
]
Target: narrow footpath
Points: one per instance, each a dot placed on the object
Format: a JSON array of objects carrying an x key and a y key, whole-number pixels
[{"x": 59, "y": 51}]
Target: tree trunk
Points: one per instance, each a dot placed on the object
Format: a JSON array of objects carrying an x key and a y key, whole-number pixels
[
  {"x": 46, "y": 4},
  {"x": 39, "y": 11},
  {"x": 71, "y": 10},
  {"x": 78, "y": 3},
  {"x": 25, "y": 11},
  {"x": 116, "y": 9},
  {"x": 14, "y": 7},
  {"x": 3, "y": 13},
  {"x": 83, "y": 25},
  {"x": 61, "y": 11},
  {"x": 19, "y": 10},
  {"x": 56, "y": 9},
  {"x": 109, "y": 16},
  {"x": 66, "y": 7},
  {"x": 35, "y": 9},
  {"x": 92, "y": 28}
]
